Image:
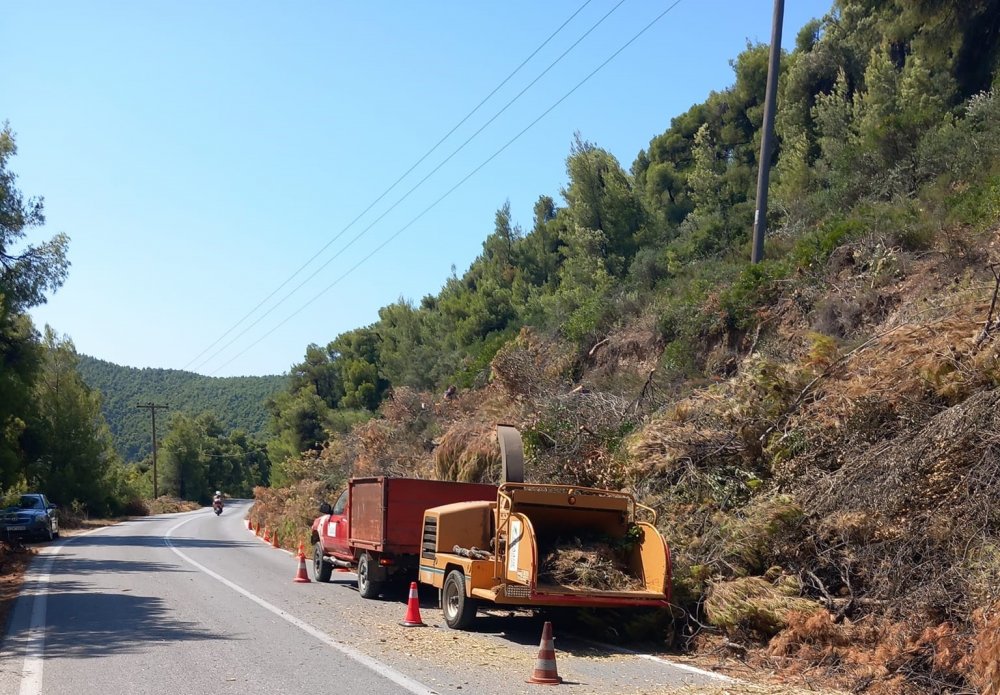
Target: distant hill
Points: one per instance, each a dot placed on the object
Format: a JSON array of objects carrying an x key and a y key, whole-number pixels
[{"x": 238, "y": 402}]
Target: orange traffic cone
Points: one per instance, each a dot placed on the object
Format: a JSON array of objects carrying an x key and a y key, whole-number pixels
[
  {"x": 267, "y": 535},
  {"x": 257, "y": 530},
  {"x": 412, "y": 618},
  {"x": 544, "y": 672},
  {"x": 250, "y": 524},
  {"x": 301, "y": 577},
  {"x": 274, "y": 540}
]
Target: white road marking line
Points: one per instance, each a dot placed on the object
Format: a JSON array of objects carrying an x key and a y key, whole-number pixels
[
  {"x": 666, "y": 662},
  {"x": 34, "y": 646},
  {"x": 384, "y": 670}
]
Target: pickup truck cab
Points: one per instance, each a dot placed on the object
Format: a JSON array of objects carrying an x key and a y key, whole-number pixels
[{"x": 332, "y": 527}]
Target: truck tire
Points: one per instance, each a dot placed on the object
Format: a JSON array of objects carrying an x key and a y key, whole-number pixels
[
  {"x": 321, "y": 570},
  {"x": 459, "y": 609},
  {"x": 367, "y": 587}
]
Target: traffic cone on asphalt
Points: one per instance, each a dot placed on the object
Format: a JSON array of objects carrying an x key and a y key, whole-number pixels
[
  {"x": 249, "y": 524},
  {"x": 412, "y": 618},
  {"x": 301, "y": 577},
  {"x": 274, "y": 540},
  {"x": 267, "y": 535},
  {"x": 545, "y": 672}
]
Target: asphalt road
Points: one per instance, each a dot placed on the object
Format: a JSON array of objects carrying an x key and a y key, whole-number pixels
[{"x": 194, "y": 603}]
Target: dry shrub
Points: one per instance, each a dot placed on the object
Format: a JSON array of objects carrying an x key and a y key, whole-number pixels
[
  {"x": 134, "y": 507},
  {"x": 748, "y": 540},
  {"x": 170, "y": 505},
  {"x": 813, "y": 636},
  {"x": 693, "y": 432},
  {"x": 663, "y": 448},
  {"x": 573, "y": 438},
  {"x": 755, "y": 606},
  {"x": 586, "y": 563},
  {"x": 927, "y": 495},
  {"x": 468, "y": 452},
  {"x": 842, "y": 526},
  {"x": 405, "y": 405},
  {"x": 289, "y": 511},
  {"x": 332, "y": 464},
  {"x": 985, "y": 659},
  {"x": 936, "y": 654},
  {"x": 385, "y": 449},
  {"x": 532, "y": 364},
  {"x": 632, "y": 350}
]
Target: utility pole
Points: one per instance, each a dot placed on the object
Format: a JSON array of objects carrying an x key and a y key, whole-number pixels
[
  {"x": 152, "y": 408},
  {"x": 767, "y": 141}
]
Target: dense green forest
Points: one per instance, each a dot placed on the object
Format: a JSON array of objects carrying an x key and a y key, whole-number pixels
[
  {"x": 819, "y": 432},
  {"x": 235, "y": 402}
]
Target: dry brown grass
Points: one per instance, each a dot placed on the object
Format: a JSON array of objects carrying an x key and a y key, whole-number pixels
[
  {"x": 169, "y": 505},
  {"x": 288, "y": 512},
  {"x": 468, "y": 452},
  {"x": 532, "y": 365},
  {"x": 756, "y": 606},
  {"x": 985, "y": 658}
]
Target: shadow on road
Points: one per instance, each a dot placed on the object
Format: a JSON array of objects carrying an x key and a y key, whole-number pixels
[
  {"x": 107, "y": 623},
  {"x": 109, "y": 540},
  {"x": 66, "y": 564},
  {"x": 579, "y": 632}
]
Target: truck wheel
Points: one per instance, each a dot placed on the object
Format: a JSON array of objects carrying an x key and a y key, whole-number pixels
[
  {"x": 367, "y": 587},
  {"x": 459, "y": 609},
  {"x": 321, "y": 570}
]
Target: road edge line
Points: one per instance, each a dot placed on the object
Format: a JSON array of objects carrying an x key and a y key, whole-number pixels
[
  {"x": 667, "y": 662},
  {"x": 33, "y": 659}
]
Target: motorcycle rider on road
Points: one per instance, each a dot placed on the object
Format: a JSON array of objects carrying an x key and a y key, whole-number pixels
[{"x": 217, "y": 500}]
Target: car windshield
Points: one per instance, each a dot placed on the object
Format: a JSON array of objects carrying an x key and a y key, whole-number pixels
[{"x": 28, "y": 502}]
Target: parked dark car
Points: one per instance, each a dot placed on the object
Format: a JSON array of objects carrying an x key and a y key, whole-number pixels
[{"x": 32, "y": 517}]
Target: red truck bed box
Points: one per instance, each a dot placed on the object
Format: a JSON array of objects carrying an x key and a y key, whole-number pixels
[{"x": 387, "y": 514}]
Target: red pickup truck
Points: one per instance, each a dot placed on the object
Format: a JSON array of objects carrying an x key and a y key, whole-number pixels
[{"x": 376, "y": 527}]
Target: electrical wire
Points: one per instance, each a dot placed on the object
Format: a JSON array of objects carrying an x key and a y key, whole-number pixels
[
  {"x": 452, "y": 189},
  {"x": 389, "y": 189},
  {"x": 415, "y": 186}
]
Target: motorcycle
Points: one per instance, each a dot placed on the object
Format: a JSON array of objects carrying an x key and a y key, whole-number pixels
[{"x": 217, "y": 506}]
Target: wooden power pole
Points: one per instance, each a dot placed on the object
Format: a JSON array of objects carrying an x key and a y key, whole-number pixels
[
  {"x": 767, "y": 141},
  {"x": 152, "y": 408}
]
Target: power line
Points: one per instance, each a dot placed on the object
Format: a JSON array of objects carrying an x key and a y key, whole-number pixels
[
  {"x": 455, "y": 187},
  {"x": 390, "y": 188},
  {"x": 414, "y": 187}
]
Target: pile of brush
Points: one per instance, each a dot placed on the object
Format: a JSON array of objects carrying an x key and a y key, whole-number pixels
[{"x": 587, "y": 563}]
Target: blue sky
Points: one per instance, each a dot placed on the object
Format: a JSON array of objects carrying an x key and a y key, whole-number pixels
[{"x": 199, "y": 153}]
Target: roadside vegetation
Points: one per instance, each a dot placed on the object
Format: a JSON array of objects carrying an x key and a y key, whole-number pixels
[{"x": 818, "y": 433}]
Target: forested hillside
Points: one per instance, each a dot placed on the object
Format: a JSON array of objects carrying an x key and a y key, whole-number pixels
[
  {"x": 235, "y": 402},
  {"x": 818, "y": 432}
]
